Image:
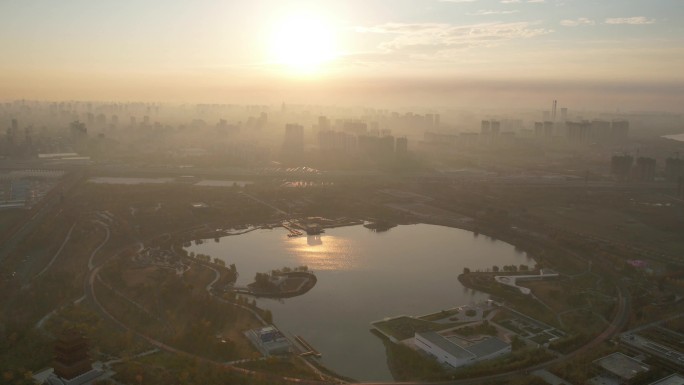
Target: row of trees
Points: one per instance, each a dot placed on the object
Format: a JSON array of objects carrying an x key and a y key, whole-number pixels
[
  {"x": 290, "y": 269},
  {"x": 207, "y": 259},
  {"x": 510, "y": 268},
  {"x": 505, "y": 268}
]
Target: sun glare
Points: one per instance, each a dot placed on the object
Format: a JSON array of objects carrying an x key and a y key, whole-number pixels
[{"x": 303, "y": 42}]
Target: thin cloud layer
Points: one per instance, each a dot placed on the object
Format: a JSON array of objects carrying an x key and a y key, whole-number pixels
[
  {"x": 639, "y": 20},
  {"x": 483, "y": 12},
  {"x": 576, "y": 22},
  {"x": 434, "y": 38}
]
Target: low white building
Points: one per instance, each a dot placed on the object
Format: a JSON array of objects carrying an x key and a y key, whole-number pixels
[
  {"x": 512, "y": 280},
  {"x": 269, "y": 340},
  {"x": 458, "y": 352}
]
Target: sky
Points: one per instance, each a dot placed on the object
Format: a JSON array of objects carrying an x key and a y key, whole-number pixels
[{"x": 612, "y": 53}]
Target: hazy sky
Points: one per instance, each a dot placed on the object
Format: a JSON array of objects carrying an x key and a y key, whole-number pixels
[{"x": 618, "y": 52}]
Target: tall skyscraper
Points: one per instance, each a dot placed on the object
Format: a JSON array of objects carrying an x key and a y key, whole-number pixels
[
  {"x": 401, "y": 145},
  {"x": 293, "y": 143},
  {"x": 619, "y": 130},
  {"x": 485, "y": 127},
  {"x": 645, "y": 169},
  {"x": 496, "y": 127}
]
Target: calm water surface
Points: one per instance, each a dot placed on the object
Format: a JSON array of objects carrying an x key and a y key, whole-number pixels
[{"x": 363, "y": 277}]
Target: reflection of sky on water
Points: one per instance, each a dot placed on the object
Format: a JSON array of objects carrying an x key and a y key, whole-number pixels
[{"x": 363, "y": 276}]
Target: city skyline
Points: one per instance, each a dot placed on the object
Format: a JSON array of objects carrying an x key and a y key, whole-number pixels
[{"x": 609, "y": 54}]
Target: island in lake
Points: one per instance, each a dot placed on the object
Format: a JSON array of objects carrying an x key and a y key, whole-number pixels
[{"x": 283, "y": 283}]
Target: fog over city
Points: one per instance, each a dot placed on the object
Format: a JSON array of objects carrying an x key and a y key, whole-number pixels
[{"x": 341, "y": 192}]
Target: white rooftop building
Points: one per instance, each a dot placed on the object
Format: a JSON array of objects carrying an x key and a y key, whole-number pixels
[{"x": 458, "y": 352}]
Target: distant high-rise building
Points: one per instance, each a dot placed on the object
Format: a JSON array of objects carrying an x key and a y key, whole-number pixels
[
  {"x": 337, "y": 141},
  {"x": 101, "y": 119},
  {"x": 323, "y": 123},
  {"x": 619, "y": 130},
  {"x": 600, "y": 131},
  {"x": 645, "y": 169},
  {"x": 621, "y": 166},
  {"x": 440, "y": 139},
  {"x": 564, "y": 114},
  {"x": 430, "y": 120},
  {"x": 485, "y": 127},
  {"x": 578, "y": 132},
  {"x": 352, "y": 125},
  {"x": 402, "y": 145},
  {"x": 548, "y": 129},
  {"x": 12, "y": 131},
  {"x": 293, "y": 143},
  {"x": 376, "y": 146},
  {"x": 496, "y": 127},
  {"x": 674, "y": 169},
  {"x": 78, "y": 129},
  {"x": 539, "y": 129}
]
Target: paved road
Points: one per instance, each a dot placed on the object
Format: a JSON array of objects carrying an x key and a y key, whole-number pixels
[{"x": 54, "y": 257}]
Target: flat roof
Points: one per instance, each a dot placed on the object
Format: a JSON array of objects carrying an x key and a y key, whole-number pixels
[
  {"x": 488, "y": 346},
  {"x": 673, "y": 379},
  {"x": 478, "y": 349},
  {"x": 446, "y": 345},
  {"x": 622, "y": 366}
]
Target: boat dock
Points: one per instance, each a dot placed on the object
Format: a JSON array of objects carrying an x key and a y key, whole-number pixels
[
  {"x": 293, "y": 232},
  {"x": 310, "y": 351}
]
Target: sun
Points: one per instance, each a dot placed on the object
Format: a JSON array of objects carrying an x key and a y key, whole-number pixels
[{"x": 303, "y": 42}]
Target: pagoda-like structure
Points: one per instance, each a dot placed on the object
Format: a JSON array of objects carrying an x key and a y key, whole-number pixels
[{"x": 71, "y": 355}]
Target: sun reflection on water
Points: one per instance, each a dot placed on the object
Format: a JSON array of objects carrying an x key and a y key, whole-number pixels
[{"x": 323, "y": 252}]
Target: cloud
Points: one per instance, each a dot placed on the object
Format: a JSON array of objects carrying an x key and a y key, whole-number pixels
[
  {"x": 441, "y": 40},
  {"x": 483, "y": 12},
  {"x": 638, "y": 20},
  {"x": 576, "y": 22},
  {"x": 458, "y": 1},
  {"x": 520, "y": 1}
]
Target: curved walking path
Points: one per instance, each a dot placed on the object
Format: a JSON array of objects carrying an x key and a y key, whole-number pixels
[
  {"x": 59, "y": 251},
  {"x": 91, "y": 265},
  {"x": 41, "y": 322}
]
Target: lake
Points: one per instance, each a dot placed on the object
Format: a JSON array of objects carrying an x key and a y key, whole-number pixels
[{"x": 363, "y": 276}]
